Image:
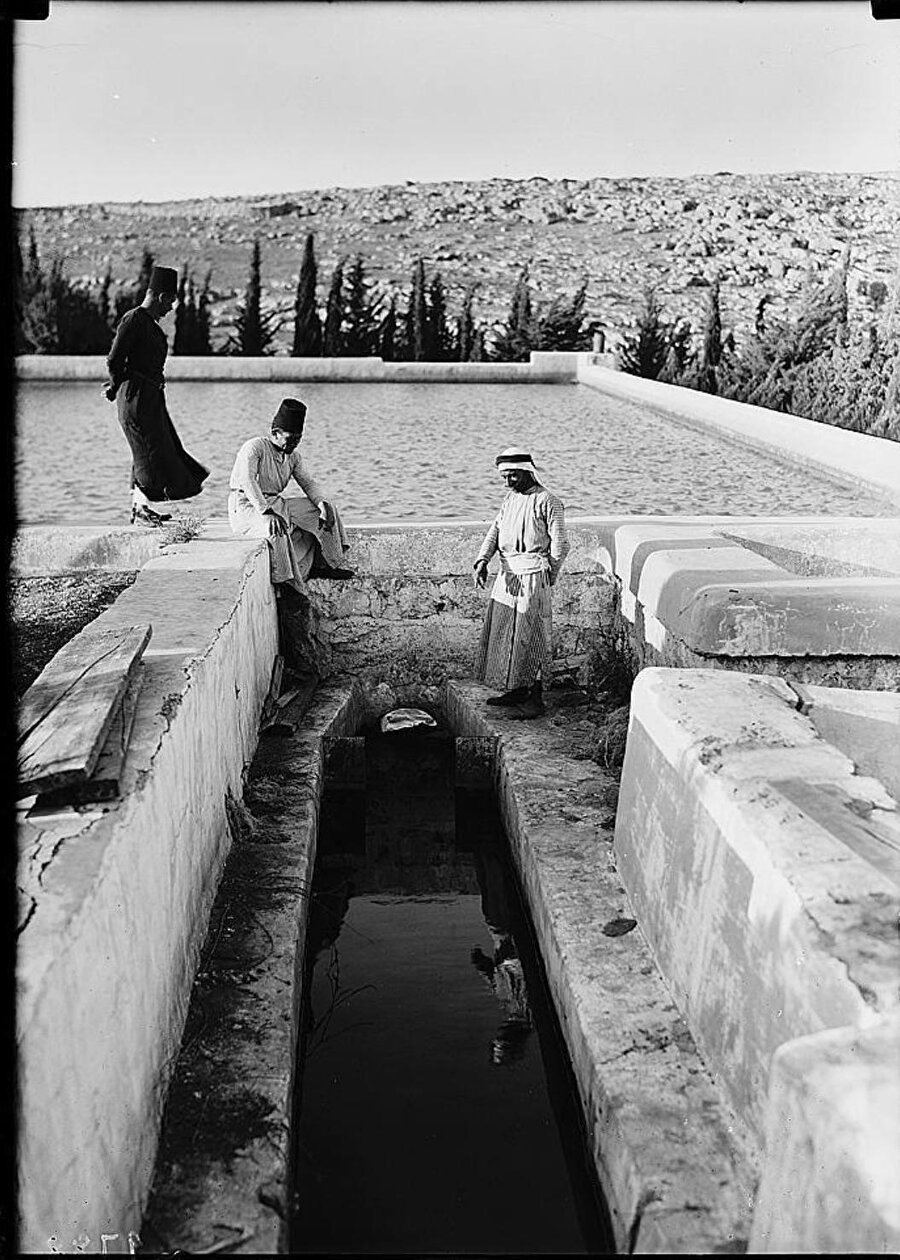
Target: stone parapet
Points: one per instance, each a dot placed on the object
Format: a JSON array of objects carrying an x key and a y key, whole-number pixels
[
  {"x": 115, "y": 898},
  {"x": 543, "y": 368},
  {"x": 762, "y": 868},
  {"x": 852, "y": 458},
  {"x": 46, "y": 549},
  {"x": 414, "y": 616},
  {"x": 773, "y": 596},
  {"x": 831, "y": 1180}
]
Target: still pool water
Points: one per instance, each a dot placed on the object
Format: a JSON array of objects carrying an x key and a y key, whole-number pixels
[
  {"x": 417, "y": 451},
  {"x": 436, "y": 1109}
]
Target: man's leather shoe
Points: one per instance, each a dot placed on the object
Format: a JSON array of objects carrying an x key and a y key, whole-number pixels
[
  {"x": 145, "y": 515},
  {"x": 516, "y": 696},
  {"x": 325, "y": 571}
]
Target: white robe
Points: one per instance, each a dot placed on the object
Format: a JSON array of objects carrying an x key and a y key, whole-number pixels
[
  {"x": 529, "y": 537},
  {"x": 259, "y": 478}
]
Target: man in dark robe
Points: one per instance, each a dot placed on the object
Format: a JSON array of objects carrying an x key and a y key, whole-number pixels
[{"x": 161, "y": 467}]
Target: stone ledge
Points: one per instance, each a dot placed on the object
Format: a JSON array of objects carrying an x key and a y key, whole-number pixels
[
  {"x": 115, "y": 898},
  {"x": 48, "y": 549},
  {"x": 245, "y": 1049},
  {"x": 819, "y": 617},
  {"x": 675, "y": 1173},
  {"x": 833, "y": 1104},
  {"x": 543, "y": 367},
  {"x": 851, "y": 458},
  {"x": 759, "y": 864}
]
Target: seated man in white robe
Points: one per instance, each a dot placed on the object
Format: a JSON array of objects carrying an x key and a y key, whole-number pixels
[
  {"x": 529, "y": 538},
  {"x": 305, "y": 533}
]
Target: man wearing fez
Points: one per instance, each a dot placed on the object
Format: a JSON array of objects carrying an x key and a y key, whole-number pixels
[
  {"x": 305, "y": 533},
  {"x": 529, "y": 536},
  {"x": 161, "y": 468}
]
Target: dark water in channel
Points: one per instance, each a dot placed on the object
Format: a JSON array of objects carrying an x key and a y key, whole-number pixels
[{"x": 437, "y": 1113}]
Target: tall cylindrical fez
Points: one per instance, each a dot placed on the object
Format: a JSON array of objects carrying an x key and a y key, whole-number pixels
[
  {"x": 163, "y": 280},
  {"x": 290, "y": 416}
]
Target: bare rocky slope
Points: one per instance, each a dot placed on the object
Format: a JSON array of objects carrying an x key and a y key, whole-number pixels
[{"x": 763, "y": 234}]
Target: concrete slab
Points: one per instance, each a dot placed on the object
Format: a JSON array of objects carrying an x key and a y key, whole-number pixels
[
  {"x": 668, "y": 579},
  {"x": 836, "y": 547},
  {"x": 816, "y": 617},
  {"x": 734, "y": 843},
  {"x": 831, "y": 1183},
  {"x": 42, "y": 549},
  {"x": 864, "y": 725}
]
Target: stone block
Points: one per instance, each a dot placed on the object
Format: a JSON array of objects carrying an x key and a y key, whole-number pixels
[
  {"x": 757, "y": 896},
  {"x": 831, "y": 1178},
  {"x": 864, "y": 725},
  {"x": 816, "y": 617}
]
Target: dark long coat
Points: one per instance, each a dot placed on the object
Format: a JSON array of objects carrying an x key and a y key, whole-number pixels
[{"x": 161, "y": 467}]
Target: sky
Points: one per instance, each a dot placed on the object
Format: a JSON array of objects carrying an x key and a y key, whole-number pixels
[{"x": 122, "y": 100}]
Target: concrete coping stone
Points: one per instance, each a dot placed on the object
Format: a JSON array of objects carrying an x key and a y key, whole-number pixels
[
  {"x": 829, "y": 1098},
  {"x": 785, "y": 617},
  {"x": 851, "y": 458},
  {"x": 763, "y": 868},
  {"x": 545, "y": 367}
]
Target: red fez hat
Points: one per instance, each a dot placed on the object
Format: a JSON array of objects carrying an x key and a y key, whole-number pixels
[
  {"x": 163, "y": 280},
  {"x": 290, "y": 416}
]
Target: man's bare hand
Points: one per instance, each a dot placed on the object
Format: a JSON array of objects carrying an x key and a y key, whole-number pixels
[
  {"x": 277, "y": 526},
  {"x": 326, "y": 515},
  {"x": 481, "y": 571}
]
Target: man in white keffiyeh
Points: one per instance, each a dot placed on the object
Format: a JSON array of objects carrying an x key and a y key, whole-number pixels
[{"x": 529, "y": 536}]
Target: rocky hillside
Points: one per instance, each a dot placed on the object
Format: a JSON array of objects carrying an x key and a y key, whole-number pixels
[{"x": 762, "y": 234}]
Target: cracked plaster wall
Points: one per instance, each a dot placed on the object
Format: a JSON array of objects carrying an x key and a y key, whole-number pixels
[{"x": 117, "y": 898}]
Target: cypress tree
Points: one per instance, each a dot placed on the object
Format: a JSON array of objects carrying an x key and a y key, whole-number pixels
[
  {"x": 333, "y": 341},
  {"x": 182, "y": 336},
  {"x": 515, "y": 339},
  {"x": 676, "y": 369},
  {"x": 253, "y": 331},
  {"x": 103, "y": 303},
  {"x": 644, "y": 352},
  {"x": 21, "y": 343},
  {"x": 133, "y": 294},
  {"x": 465, "y": 327},
  {"x": 307, "y": 324},
  {"x": 711, "y": 348},
  {"x": 361, "y": 323},
  {"x": 561, "y": 327},
  {"x": 417, "y": 316},
  {"x": 387, "y": 333},
  {"x": 202, "y": 344},
  {"x": 437, "y": 335}
]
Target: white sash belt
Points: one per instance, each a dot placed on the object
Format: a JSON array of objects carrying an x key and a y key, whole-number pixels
[{"x": 520, "y": 562}]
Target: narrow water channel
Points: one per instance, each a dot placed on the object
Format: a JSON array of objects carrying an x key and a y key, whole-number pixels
[{"x": 436, "y": 1112}]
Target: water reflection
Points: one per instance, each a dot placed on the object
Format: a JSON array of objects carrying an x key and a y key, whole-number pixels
[{"x": 435, "y": 1109}]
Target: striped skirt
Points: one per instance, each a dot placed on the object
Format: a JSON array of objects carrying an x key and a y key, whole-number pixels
[{"x": 515, "y": 644}]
